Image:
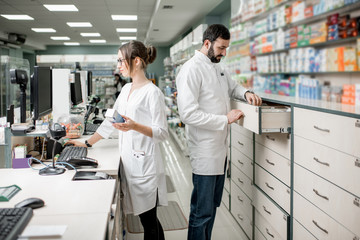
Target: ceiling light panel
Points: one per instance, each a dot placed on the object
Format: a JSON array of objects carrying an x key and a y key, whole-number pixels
[
  {"x": 17, "y": 17},
  {"x": 127, "y": 38},
  {"x": 124, "y": 17},
  {"x": 43, "y": 30},
  {"x": 90, "y": 34},
  {"x": 79, "y": 24},
  {"x": 61, "y": 7},
  {"x": 71, "y": 43},
  {"x": 59, "y": 38},
  {"x": 126, "y": 29},
  {"x": 97, "y": 41}
]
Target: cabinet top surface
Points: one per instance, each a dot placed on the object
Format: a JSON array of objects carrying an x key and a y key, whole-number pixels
[{"x": 317, "y": 105}]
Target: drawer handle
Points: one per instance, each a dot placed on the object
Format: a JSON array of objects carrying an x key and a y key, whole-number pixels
[
  {"x": 269, "y": 186},
  {"x": 240, "y": 162},
  {"x": 317, "y": 193},
  {"x": 322, "y": 229},
  {"x": 268, "y": 232},
  {"x": 240, "y": 217},
  {"x": 240, "y": 199},
  {"x": 271, "y": 163},
  {"x": 270, "y": 138},
  {"x": 357, "y": 163},
  {"x": 322, "y": 129},
  {"x": 323, "y": 163},
  {"x": 240, "y": 180},
  {"x": 240, "y": 143},
  {"x": 267, "y": 211},
  {"x": 357, "y": 124}
]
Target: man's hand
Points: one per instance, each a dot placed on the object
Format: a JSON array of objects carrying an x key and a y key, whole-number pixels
[
  {"x": 253, "y": 99},
  {"x": 234, "y": 115}
]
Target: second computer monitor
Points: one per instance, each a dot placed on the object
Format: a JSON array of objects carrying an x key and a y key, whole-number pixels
[
  {"x": 89, "y": 82},
  {"x": 75, "y": 87},
  {"x": 41, "y": 91}
]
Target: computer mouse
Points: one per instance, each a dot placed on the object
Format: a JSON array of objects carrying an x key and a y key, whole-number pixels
[
  {"x": 31, "y": 203},
  {"x": 82, "y": 162}
]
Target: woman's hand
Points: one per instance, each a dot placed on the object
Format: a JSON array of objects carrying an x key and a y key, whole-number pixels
[
  {"x": 75, "y": 143},
  {"x": 129, "y": 124}
]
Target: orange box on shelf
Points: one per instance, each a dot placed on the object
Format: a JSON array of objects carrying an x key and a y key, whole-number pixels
[
  {"x": 340, "y": 59},
  {"x": 350, "y": 62},
  {"x": 348, "y": 100}
]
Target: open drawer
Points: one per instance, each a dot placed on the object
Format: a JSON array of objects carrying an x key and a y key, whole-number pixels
[{"x": 268, "y": 118}]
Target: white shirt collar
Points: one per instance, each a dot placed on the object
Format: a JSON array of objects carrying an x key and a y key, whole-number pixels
[{"x": 202, "y": 57}]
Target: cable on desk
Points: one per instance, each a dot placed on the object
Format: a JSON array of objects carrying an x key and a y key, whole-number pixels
[{"x": 46, "y": 166}]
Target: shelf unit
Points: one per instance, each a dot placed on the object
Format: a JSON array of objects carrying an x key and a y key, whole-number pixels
[{"x": 265, "y": 148}]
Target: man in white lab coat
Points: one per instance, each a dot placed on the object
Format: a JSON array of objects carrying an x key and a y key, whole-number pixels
[{"x": 204, "y": 91}]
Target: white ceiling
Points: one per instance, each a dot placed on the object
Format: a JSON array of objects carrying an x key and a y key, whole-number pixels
[{"x": 151, "y": 15}]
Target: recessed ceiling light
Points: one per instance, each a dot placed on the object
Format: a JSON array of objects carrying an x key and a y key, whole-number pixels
[
  {"x": 90, "y": 34},
  {"x": 71, "y": 43},
  {"x": 97, "y": 41},
  {"x": 17, "y": 17},
  {"x": 43, "y": 30},
  {"x": 127, "y": 38},
  {"x": 126, "y": 30},
  {"x": 124, "y": 17},
  {"x": 60, "y": 38},
  {"x": 124, "y": 43},
  {"x": 61, "y": 7},
  {"x": 79, "y": 24}
]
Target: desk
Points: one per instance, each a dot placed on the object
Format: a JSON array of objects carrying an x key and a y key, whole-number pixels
[{"x": 84, "y": 206}]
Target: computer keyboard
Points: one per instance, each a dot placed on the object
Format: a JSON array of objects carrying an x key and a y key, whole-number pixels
[
  {"x": 13, "y": 221},
  {"x": 91, "y": 127},
  {"x": 72, "y": 151}
]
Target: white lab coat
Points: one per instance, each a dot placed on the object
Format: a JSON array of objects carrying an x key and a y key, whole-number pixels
[
  {"x": 204, "y": 91},
  {"x": 144, "y": 173}
]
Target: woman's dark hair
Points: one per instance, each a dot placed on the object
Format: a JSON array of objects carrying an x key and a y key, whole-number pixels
[
  {"x": 215, "y": 31},
  {"x": 134, "y": 49}
]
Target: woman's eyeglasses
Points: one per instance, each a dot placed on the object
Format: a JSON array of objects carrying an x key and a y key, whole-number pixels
[{"x": 121, "y": 61}]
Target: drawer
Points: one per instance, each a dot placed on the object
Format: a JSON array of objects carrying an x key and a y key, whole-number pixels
[
  {"x": 263, "y": 119},
  {"x": 329, "y": 164},
  {"x": 258, "y": 235},
  {"x": 337, "y": 203},
  {"x": 300, "y": 233},
  {"x": 266, "y": 228},
  {"x": 339, "y": 132},
  {"x": 278, "y": 142},
  {"x": 242, "y": 143},
  {"x": 242, "y": 181},
  {"x": 239, "y": 129},
  {"x": 272, "y": 213},
  {"x": 242, "y": 162},
  {"x": 240, "y": 200},
  {"x": 226, "y": 199},
  {"x": 319, "y": 223},
  {"x": 243, "y": 220},
  {"x": 274, "y": 163},
  {"x": 278, "y": 191}
]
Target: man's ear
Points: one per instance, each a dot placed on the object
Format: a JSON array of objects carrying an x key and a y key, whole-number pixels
[{"x": 207, "y": 44}]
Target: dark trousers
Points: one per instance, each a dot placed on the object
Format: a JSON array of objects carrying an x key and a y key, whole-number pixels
[
  {"x": 152, "y": 226},
  {"x": 205, "y": 198}
]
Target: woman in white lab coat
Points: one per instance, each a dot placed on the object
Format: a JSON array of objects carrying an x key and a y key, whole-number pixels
[{"x": 142, "y": 105}]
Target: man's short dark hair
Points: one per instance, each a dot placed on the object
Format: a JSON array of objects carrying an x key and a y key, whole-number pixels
[{"x": 215, "y": 31}]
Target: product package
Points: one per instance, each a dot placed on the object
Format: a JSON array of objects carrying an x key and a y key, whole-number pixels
[{"x": 113, "y": 116}]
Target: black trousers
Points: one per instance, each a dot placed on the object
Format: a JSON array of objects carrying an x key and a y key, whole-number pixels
[{"x": 152, "y": 226}]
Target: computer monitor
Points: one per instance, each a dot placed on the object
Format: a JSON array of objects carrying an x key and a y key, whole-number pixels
[
  {"x": 89, "y": 82},
  {"x": 41, "y": 92},
  {"x": 75, "y": 89}
]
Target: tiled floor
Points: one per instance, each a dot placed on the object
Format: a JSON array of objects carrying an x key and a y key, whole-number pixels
[{"x": 178, "y": 167}]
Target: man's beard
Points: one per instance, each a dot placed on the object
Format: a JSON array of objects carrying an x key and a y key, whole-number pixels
[{"x": 211, "y": 55}]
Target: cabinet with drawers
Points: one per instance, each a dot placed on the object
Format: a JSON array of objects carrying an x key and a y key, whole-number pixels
[
  {"x": 300, "y": 179},
  {"x": 326, "y": 174}
]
